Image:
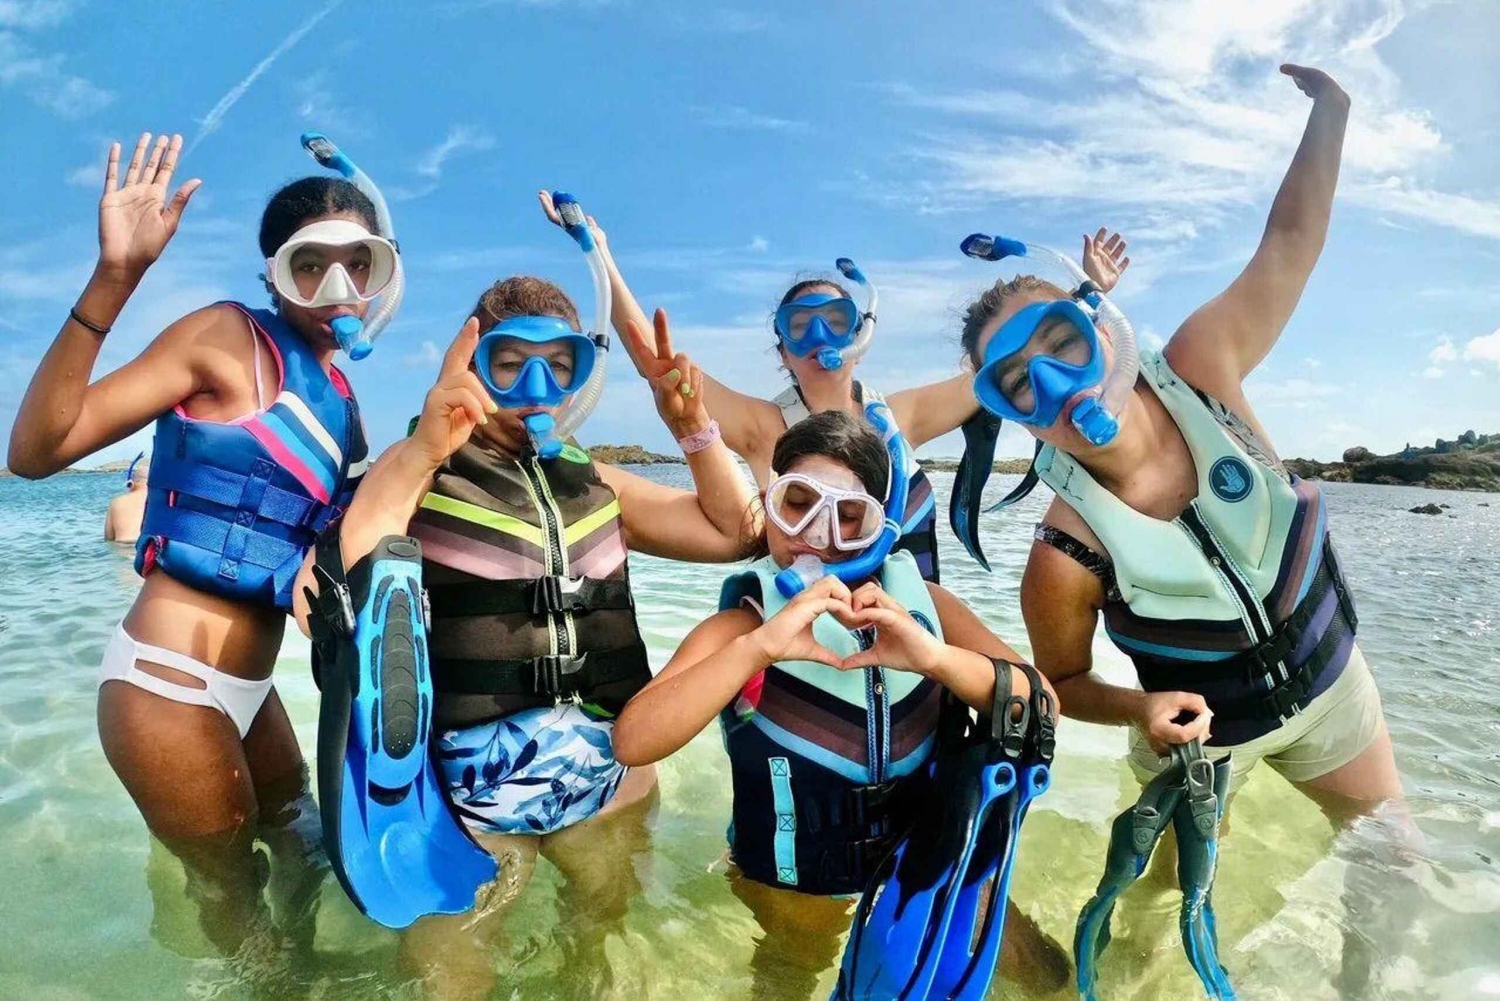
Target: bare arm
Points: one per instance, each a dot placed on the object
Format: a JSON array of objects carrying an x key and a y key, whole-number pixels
[
  {"x": 1221, "y": 343},
  {"x": 62, "y": 418}
]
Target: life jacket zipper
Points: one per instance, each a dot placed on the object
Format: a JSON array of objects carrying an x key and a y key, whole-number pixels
[
  {"x": 878, "y": 714},
  {"x": 1251, "y": 613},
  {"x": 557, "y": 629}
]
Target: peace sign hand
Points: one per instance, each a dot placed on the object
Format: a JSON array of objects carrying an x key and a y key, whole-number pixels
[
  {"x": 676, "y": 381},
  {"x": 135, "y": 220},
  {"x": 455, "y": 405}
]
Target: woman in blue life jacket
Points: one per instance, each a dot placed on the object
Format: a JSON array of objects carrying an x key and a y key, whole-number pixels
[
  {"x": 1175, "y": 519},
  {"x": 258, "y": 445},
  {"x": 532, "y": 631},
  {"x": 800, "y": 682},
  {"x": 821, "y": 335}
]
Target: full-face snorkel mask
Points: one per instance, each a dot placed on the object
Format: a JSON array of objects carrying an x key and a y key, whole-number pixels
[
  {"x": 832, "y": 326},
  {"x": 355, "y": 336},
  {"x": 807, "y": 569},
  {"x": 569, "y": 364},
  {"x": 1062, "y": 345}
]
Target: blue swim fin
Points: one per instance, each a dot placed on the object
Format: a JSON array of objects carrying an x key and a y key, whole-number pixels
[
  {"x": 918, "y": 931},
  {"x": 394, "y": 843},
  {"x": 1196, "y": 822}
]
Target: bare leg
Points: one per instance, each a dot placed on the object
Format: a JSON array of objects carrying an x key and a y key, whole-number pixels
[
  {"x": 454, "y": 954},
  {"x": 186, "y": 770},
  {"x": 800, "y": 940}
]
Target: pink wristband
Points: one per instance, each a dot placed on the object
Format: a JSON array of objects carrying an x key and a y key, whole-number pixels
[{"x": 699, "y": 440}]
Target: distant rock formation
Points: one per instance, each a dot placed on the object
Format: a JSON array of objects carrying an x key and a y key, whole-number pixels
[
  {"x": 632, "y": 455},
  {"x": 1471, "y": 462},
  {"x": 1013, "y": 466}
]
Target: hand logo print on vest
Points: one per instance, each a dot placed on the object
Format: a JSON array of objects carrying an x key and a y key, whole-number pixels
[{"x": 1230, "y": 479}]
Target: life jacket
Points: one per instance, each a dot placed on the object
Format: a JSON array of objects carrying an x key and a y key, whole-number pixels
[
  {"x": 919, "y": 528},
  {"x": 232, "y": 507},
  {"x": 828, "y": 766},
  {"x": 1239, "y": 598},
  {"x": 526, "y": 572}
]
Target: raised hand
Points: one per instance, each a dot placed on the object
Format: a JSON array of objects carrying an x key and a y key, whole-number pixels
[
  {"x": 900, "y": 641},
  {"x": 135, "y": 219},
  {"x": 788, "y": 635},
  {"x": 1104, "y": 258},
  {"x": 455, "y": 404},
  {"x": 1313, "y": 82},
  {"x": 550, "y": 211},
  {"x": 676, "y": 381}
]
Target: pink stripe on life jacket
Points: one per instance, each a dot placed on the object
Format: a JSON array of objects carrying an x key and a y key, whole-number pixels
[{"x": 288, "y": 461}]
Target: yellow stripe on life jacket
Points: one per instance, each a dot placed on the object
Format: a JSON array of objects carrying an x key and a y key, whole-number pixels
[
  {"x": 508, "y": 524},
  {"x": 583, "y": 526}
]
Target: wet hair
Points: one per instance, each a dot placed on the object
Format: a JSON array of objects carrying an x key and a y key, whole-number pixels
[
  {"x": 800, "y": 288},
  {"x": 846, "y": 439},
  {"x": 523, "y": 295},
  {"x": 306, "y": 199},
  {"x": 984, "y": 309}
]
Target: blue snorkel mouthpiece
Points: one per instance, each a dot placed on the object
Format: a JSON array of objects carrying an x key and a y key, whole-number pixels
[
  {"x": 542, "y": 430},
  {"x": 808, "y": 569},
  {"x": 1096, "y": 424},
  {"x": 357, "y": 336}
]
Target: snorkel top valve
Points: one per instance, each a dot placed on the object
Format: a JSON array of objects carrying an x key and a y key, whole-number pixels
[
  {"x": 808, "y": 569},
  {"x": 357, "y": 336}
]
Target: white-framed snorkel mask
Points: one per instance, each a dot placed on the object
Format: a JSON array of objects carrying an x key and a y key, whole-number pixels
[
  {"x": 355, "y": 335},
  {"x": 343, "y": 263},
  {"x": 823, "y": 515}
]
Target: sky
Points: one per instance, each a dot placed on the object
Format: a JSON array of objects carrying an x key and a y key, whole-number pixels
[{"x": 727, "y": 150}]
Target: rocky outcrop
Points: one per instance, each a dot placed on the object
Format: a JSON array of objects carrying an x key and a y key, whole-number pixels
[
  {"x": 632, "y": 455},
  {"x": 1013, "y": 466},
  {"x": 1471, "y": 462}
]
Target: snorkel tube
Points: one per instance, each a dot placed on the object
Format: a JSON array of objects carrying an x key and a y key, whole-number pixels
[
  {"x": 835, "y": 358},
  {"x": 130, "y": 469},
  {"x": 1097, "y": 417},
  {"x": 546, "y": 431},
  {"x": 356, "y": 336},
  {"x": 808, "y": 569}
]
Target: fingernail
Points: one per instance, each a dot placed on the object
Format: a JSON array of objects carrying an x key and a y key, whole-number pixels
[
  {"x": 494, "y": 407},
  {"x": 687, "y": 390},
  {"x": 674, "y": 377},
  {"x": 483, "y": 419}
]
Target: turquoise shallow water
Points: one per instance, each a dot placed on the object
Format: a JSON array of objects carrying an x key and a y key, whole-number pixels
[{"x": 76, "y": 919}]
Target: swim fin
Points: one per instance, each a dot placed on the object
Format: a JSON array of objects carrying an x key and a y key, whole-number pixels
[
  {"x": 918, "y": 931},
  {"x": 1196, "y": 822},
  {"x": 394, "y": 843},
  {"x": 1189, "y": 795}
]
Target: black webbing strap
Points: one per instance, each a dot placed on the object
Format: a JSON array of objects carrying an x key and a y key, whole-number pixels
[
  {"x": 539, "y": 596},
  {"x": 559, "y": 677}
]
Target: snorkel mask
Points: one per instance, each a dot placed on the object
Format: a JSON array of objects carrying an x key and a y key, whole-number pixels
[
  {"x": 832, "y": 326},
  {"x": 1062, "y": 347},
  {"x": 386, "y": 278},
  {"x": 807, "y": 569},
  {"x": 569, "y": 364}
]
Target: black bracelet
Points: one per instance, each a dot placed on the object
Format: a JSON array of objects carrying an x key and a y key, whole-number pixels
[{"x": 73, "y": 312}]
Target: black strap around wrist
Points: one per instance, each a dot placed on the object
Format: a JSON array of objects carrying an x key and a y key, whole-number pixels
[{"x": 91, "y": 325}]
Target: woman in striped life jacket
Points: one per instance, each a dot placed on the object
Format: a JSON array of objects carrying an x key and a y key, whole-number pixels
[
  {"x": 258, "y": 445},
  {"x": 532, "y": 641},
  {"x": 1210, "y": 564},
  {"x": 822, "y": 370}
]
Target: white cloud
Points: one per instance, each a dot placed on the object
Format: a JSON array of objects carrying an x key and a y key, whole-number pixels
[
  {"x": 1294, "y": 392},
  {"x": 759, "y": 245},
  {"x": 427, "y": 356},
  {"x": 459, "y": 138},
  {"x": 1484, "y": 349},
  {"x": 733, "y": 116},
  {"x": 1432, "y": 372},
  {"x": 33, "y": 14},
  {"x": 90, "y": 175},
  {"x": 1443, "y": 352},
  {"x": 1312, "y": 364},
  {"x": 215, "y": 116},
  {"x": 1469, "y": 214},
  {"x": 42, "y": 77}
]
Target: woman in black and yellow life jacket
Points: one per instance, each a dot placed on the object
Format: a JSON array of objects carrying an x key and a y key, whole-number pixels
[
  {"x": 829, "y": 703},
  {"x": 533, "y": 639}
]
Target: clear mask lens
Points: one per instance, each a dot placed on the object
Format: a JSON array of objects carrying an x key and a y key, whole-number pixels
[
  {"x": 510, "y": 355},
  {"x": 824, "y": 516}
]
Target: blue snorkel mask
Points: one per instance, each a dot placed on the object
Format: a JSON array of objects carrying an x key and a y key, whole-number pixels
[
  {"x": 808, "y": 569},
  {"x": 829, "y": 326},
  {"x": 357, "y": 336},
  {"x": 541, "y": 361}
]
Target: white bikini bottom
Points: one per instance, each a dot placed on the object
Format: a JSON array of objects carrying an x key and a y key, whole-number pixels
[{"x": 236, "y": 698}]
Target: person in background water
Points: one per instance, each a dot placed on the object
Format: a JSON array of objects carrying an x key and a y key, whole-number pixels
[
  {"x": 259, "y": 444},
  {"x": 122, "y": 521},
  {"x": 751, "y": 425}
]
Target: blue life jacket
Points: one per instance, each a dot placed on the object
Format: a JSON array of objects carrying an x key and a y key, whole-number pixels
[
  {"x": 232, "y": 508},
  {"x": 827, "y": 765}
]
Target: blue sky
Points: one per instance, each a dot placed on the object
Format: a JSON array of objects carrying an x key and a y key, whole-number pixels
[{"x": 728, "y": 149}]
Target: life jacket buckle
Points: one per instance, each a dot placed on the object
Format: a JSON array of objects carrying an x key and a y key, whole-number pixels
[{"x": 555, "y": 594}]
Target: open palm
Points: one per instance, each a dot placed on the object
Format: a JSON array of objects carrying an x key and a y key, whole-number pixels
[{"x": 135, "y": 219}]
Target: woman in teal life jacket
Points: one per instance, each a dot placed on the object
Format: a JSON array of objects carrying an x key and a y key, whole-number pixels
[
  {"x": 533, "y": 639},
  {"x": 258, "y": 445},
  {"x": 821, "y": 335},
  {"x": 850, "y": 725},
  {"x": 1176, "y": 521}
]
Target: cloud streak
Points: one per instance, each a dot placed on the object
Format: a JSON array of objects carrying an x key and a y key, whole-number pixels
[
  {"x": 215, "y": 117},
  {"x": 40, "y": 76}
]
